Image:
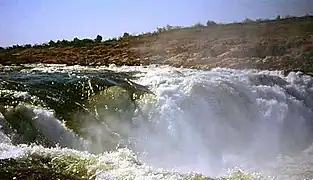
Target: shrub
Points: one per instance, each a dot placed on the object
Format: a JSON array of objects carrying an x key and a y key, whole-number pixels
[
  {"x": 159, "y": 30},
  {"x": 210, "y": 23},
  {"x": 51, "y": 43},
  {"x": 27, "y": 46},
  {"x": 2, "y": 49},
  {"x": 98, "y": 39},
  {"x": 88, "y": 41},
  {"x": 126, "y": 35},
  {"x": 110, "y": 41}
]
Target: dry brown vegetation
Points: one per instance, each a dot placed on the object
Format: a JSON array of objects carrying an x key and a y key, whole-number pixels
[{"x": 271, "y": 44}]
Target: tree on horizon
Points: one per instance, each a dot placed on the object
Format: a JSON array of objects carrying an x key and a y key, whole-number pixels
[{"x": 98, "y": 39}]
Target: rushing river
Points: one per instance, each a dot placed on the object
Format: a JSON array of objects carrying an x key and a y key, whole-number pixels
[{"x": 154, "y": 122}]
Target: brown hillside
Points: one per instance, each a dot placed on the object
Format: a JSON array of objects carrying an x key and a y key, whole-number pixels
[{"x": 273, "y": 44}]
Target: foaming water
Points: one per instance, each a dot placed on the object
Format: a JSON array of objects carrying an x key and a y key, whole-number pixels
[
  {"x": 209, "y": 122},
  {"x": 56, "y": 131},
  {"x": 121, "y": 164}
]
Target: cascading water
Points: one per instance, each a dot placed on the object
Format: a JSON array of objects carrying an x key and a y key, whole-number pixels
[
  {"x": 172, "y": 119},
  {"x": 211, "y": 120}
]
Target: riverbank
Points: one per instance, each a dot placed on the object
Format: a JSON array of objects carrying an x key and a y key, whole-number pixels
[{"x": 281, "y": 44}]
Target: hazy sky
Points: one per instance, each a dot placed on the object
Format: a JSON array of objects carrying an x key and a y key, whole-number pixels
[{"x": 38, "y": 21}]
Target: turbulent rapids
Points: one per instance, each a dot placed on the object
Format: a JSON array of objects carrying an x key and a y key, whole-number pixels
[{"x": 154, "y": 122}]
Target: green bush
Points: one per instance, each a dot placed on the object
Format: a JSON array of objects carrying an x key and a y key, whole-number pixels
[
  {"x": 98, "y": 39},
  {"x": 27, "y": 46},
  {"x": 210, "y": 23},
  {"x": 51, "y": 43}
]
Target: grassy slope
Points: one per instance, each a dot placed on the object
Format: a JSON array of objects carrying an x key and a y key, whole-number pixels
[{"x": 283, "y": 44}]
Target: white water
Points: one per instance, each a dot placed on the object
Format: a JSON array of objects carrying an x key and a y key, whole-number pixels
[
  {"x": 56, "y": 131},
  {"x": 211, "y": 121}
]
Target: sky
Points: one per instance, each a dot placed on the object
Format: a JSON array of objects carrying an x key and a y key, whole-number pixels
[{"x": 38, "y": 21}]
